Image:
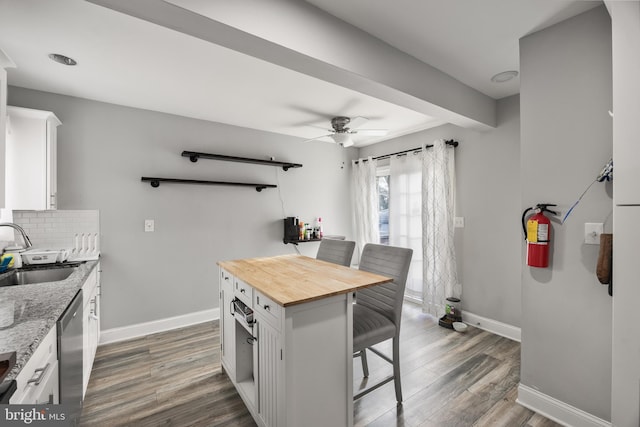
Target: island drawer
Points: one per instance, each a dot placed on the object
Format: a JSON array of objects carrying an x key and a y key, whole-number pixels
[
  {"x": 226, "y": 280},
  {"x": 244, "y": 292},
  {"x": 267, "y": 308}
]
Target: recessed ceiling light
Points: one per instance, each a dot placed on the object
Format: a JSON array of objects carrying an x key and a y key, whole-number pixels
[
  {"x": 505, "y": 76},
  {"x": 62, "y": 59}
]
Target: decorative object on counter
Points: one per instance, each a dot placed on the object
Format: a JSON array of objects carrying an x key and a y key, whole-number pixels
[
  {"x": 86, "y": 247},
  {"x": 296, "y": 231},
  {"x": 6, "y": 262},
  {"x": 453, "y": 313},
  {"x": 17, "y": 258},
  {"x": 44, "y": 256},
  {"x": 194, "y": 156}
]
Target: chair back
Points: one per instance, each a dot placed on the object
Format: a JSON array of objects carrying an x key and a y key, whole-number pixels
[
  {"x": 390, "y": 261},
  {"x": 336, "y": 251}
]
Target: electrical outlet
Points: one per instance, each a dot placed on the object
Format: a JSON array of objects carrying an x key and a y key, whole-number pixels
[
  {"x": 149, "y": 225},
  {"x": 592, "y": 232},
  {"x": 458, "y": 222}
]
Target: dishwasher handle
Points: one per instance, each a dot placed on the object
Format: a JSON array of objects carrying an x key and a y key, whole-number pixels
[{"x": 41, "y": 372}]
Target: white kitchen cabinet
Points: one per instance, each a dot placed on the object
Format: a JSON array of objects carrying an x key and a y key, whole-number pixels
[
  {"x": 31, "y": 162},
  {"x": 37, "y": 382},
  {"x": 91, "y": 324},
  {"x": 5, "y": 62}
]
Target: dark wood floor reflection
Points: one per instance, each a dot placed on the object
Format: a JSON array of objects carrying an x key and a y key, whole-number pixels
[{"x": 448, "y": 379}]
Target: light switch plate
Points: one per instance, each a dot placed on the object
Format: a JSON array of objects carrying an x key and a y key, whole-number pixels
[
  {"x": 592, "y": 232},
  {"x": 458, "y": 222},
  {"x": 149, "y": 225}
]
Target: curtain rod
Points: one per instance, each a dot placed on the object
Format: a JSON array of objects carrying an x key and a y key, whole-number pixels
[{"x": 451, "y": 142}]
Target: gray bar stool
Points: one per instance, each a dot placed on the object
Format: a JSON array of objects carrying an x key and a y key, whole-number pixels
[
  {"x": 378, "y": 309},
  {"x": 336, "y": 251}
]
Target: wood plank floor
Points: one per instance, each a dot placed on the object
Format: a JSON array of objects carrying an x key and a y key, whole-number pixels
[{"x": 448, "y": 379}]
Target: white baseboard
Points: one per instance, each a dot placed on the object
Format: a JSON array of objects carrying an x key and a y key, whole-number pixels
[
  {"x": 557, "y": 410},
  {"x": 109, "y": 336},
  {"x": 493, "y": 326}
]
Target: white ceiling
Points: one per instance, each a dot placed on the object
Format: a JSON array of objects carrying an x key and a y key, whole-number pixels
[
  {"x": 127, "y": 61},
  {"x": 471, "y": 40}
]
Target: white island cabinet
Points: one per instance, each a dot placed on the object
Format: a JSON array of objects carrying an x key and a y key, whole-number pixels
[{"x": 287, "y": 338}]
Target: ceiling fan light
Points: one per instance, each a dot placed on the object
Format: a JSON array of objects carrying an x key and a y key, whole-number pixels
[{"x": 343, "y": 138}]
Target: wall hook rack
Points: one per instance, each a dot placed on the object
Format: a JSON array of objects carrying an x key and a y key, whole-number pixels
[
  {"x": 155, "y": 183},
  {"x": 194, "y": 156}
]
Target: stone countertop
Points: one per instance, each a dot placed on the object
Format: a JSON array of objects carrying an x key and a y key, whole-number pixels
[{"x": 43, "y": 304}]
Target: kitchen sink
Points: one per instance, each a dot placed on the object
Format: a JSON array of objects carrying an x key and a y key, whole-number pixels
[{"x": 39, "y": 275}]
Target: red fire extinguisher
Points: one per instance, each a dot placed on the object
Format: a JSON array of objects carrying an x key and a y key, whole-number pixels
[{"x": 537, "y": 233}]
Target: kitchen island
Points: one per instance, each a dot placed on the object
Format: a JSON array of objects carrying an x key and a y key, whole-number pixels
[{"x": 287, "y": 340}]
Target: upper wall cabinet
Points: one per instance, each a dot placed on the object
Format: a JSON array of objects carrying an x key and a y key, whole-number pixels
[
  {"x": 5, "y": 62},
  {"x": 31, "y": 167}
]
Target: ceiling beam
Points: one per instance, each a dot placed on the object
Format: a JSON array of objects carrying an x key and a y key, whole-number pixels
[{"x": 303, "y": 38}]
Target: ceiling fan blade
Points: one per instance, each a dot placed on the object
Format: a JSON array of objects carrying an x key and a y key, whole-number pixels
[
  {"x": 317, "y": 138},
  {"x": 371, "y": 132},
  {"x": 356, "y": 122}
]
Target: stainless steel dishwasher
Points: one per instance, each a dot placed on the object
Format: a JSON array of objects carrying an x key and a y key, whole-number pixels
[{"x": 70, "y": 349}]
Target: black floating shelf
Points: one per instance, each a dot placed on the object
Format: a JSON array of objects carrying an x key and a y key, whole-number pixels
[
  {"x": 155, "y": 182},
  {"x": 295, "y": 242},
  {"x": 194, "y": 156}
]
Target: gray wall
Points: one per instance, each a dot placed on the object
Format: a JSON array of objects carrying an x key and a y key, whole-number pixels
[
  {"x": 488, "y": 197},
  {"x": 566, "y": 137},
  {"x": 104, "y": 149}
]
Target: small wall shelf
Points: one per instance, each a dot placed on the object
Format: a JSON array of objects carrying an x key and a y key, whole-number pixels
[
  {"x": 295, "y": 242},
  {"x": 194, "y": 156},
  {"x": 155, "y": 182}
]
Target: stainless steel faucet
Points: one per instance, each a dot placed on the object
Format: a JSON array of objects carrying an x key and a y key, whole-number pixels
[{"x": 25, "y": 238}]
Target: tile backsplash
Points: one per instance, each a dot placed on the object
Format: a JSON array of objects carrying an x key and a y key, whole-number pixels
[{"x": 57, "y": 229}]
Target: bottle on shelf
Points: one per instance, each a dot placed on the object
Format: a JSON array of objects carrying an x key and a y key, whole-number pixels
[
  {"x": 319, "y": 228},
  {"x": 301, "y": 231}
]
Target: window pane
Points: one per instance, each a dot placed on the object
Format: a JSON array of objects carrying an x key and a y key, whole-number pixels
[{"x": 383, "y": 208}]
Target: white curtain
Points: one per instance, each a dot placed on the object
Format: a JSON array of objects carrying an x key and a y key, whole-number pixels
[
  {"x": 365, "y": 202},
  {"x": 438, "y": 198},
  {"x": 405, "y": 215}
]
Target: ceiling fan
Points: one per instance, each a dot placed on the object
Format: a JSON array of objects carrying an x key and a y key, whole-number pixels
[{"x": 343, "y": 127}]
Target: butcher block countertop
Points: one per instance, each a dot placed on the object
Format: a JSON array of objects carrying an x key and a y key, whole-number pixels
[{"x": 295, "y": 279}]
